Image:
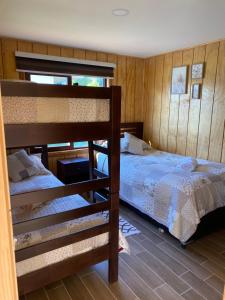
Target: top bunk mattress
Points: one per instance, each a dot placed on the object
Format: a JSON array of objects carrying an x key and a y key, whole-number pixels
[{"x": 23, "y": 110}]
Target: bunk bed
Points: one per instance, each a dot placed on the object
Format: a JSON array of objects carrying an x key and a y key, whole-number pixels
[
  {"x": 187, "y": 204},
  {"x": 31, "y": 122}
]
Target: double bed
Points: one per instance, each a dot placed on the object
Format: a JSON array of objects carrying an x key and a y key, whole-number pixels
[{"x": 175, "y": 191}]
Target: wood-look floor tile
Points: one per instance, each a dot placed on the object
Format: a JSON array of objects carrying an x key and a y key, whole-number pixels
[
  {"x": 120, "y": 289},
  {"x": 97, "y": 287},
  {"x": 192, "y": 295},
  {"x": 54, "y": 285},
  {"x": 135, "y": 247},
  {"x": 167, "y": 293},
  {"x": 171, "y": 263},
  {"x": 139, "y": 287},
  {"x": 215, "y": 243},
  {"x": 201, "y": 287},
  {"x": 208, "y": 251},
  {"x": 165, "y": 273},
  {"x": 37, "y": 295},
  {"x": 148, "y": 233},
  {"x": 197, "y": 257},
  {"x": 142, "y": 270},
  {"x": 139, "y": 237},
  {"x": 179, "y": 255},
  {"x": 214, "y": 268},
  {"x": 217, "y": 283},
  {"x": 58, "y": 293},
  {"x": 76, "y": 288}
]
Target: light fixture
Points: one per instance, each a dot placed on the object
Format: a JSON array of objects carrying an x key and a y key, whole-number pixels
[{"x": 120, "y": 12}]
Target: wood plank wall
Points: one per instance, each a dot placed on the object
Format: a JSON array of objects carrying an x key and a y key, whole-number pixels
[
  {"x": 129, "y": 72},
  {"x": 177, "y": 123},
  {"x": 173, "y": 123}
]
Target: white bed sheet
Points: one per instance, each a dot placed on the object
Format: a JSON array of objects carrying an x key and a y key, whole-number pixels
[
  {"x": 51, "y": 232},
  {"x": 175, "y": 198}
]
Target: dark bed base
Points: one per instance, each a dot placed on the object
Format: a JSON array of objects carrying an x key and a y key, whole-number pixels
[{"x": 211, "y": 222}]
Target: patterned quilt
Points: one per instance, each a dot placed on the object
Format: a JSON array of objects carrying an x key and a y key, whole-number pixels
[{"x": 157, "y": 185}]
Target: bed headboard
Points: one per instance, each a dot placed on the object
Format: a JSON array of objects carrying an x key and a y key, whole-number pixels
[{"x": 135, "y": 128}]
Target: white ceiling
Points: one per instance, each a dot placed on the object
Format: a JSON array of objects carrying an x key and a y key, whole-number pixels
[{"x": 152, "y": 27}]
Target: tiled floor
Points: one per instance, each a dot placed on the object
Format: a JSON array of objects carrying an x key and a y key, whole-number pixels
[{"x": 158, "y": 268}]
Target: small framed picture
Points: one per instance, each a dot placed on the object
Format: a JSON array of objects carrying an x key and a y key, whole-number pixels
[
  {"x": 197, "y": 71},
  {"x": 179, "y": 80},
  {"x": 196, "y": 91}
]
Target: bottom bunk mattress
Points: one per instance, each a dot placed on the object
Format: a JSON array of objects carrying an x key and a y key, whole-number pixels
[
  {"x": 55, "y": 231},
  {"x": 174, "y": 190}
]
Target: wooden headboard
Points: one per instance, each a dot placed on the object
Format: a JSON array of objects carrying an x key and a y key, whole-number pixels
[{"x": 133, "y": 128}]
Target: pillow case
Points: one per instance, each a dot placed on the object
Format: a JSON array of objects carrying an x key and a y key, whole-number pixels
[
  {"x": 123, "y": 145},
  {"x": 36, "y": 159},
  {"x": 20, "y": 166},
  {"x": 135, "y": 145}
]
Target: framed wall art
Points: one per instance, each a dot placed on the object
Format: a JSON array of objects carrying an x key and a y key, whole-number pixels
[
  {"x": 196, "y": 91},
  {"x": 179, "y": 80},
  {"x": 197, "y": 71}
]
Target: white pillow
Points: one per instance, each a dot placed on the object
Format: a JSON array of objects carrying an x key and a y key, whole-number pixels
[
  {"x": 20, "y": 166},
  {"x": 36, "y": 159},
  {"x": 123, "y": 145},
  {"x": 135, "y": 145}
]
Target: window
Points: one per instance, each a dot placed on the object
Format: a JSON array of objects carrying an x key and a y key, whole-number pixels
[
  {"x": 49, "y": 79},
  {"x": 67, "y": 80},
  {"x": 88, "y": 81}
]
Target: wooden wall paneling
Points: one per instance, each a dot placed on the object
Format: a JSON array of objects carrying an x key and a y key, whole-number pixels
[
  {"x": 149, "y": 82},
  {"x": 112, "y": 58},
  {"x": 91, "y": 55},
  {"x": 165, "y": 107},
  {"x": 121, "y": 80},
  {"x": 217, "y": 127},
  {"x": 53, "y": 50},
  {"x": 101, "y": 56},
  {"x": 174, "y": 109},
  {"x": 139, "y": 91},
  {"x": 40, "y": 48},
  {"x": 194, "y": 111},
  {"x": 1, "y": 63},
  {"x": 207, "y": 100},
  {"x": 79, "y": 53},
  {"x": 130, "y": 89},
  {"x": 8, "y": 281},
  {"x": 159, "y": 70},
  {"x": 223, "y": 145},
  {"x": 66, "y": 52},
  {"x": 24, "y": 46},
  {"x": 9, "y": 46},
  {"x": 184, "y": 106}
]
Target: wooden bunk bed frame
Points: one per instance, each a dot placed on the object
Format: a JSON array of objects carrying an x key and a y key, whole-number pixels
[{"x": 26, "y": 135}]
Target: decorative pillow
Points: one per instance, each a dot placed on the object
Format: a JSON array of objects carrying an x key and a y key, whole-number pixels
[
  {"x": 20, "y": 166},
  {"x": 36, "y": 159},
  {"x": 135, "y": 145}
]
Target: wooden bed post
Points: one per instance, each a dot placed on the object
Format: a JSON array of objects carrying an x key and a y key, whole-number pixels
[
  {"x": 8, "y": 283},
  {"x": 91, "y": 166},
  {"x": 114, "y": 167}
]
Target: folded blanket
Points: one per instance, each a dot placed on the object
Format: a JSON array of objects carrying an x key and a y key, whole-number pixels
[{"x": 187, "y": 164}]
